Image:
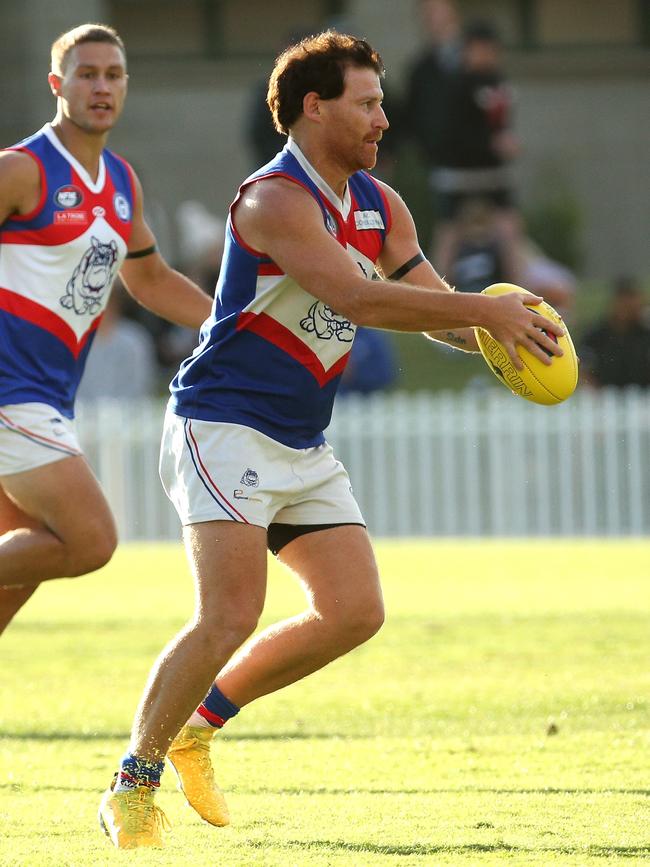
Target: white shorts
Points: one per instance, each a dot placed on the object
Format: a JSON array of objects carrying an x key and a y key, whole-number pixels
[
  {"x": 32, "y": 435},
  {"x": 214, "y": 471}
]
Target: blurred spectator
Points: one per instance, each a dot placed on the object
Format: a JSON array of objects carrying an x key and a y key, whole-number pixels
[
  {"x": 477, "y": 145},
  {"x": 477, "y": 254},
  {"x": 479, "y": 258},
  {"x": 262, "y": 138},
  {"x": 461, "y": 114},
  {"x": 122, "y": 364},
  {"x": 616, "y": 351},
  {"x": 201, "y": 239},
  {"x": 544, "y": 276},
  {"x": 156, "y": 215},
  {"x": 427, "y": 77},
  {"x": 372, "y": 365}
]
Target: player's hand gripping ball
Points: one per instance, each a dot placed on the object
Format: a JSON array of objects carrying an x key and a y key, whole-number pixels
[{"x": 538, "y": 382}]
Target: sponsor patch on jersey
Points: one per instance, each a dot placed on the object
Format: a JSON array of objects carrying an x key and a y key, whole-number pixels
[
  {"x": 68, "y": 196},
  {"x": 368, "y": 220},
  {"x": 122, "y": 207},
  {"x": 71, "y": 218}
]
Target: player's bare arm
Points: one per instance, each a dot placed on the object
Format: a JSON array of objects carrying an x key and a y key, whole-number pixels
[
  {"x": 153, "y": 283},
  {"x": 402, "y": 259},
  {"x": 280, "y": 219},
  {"x": 20, "y": 184}
]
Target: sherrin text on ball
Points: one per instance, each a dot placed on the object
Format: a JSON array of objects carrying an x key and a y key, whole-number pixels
[{"x": 541, "y": 383}]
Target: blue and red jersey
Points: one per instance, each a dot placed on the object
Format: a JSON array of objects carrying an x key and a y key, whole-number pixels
[
  {"x": 57, "y": 265},
  {"x": 271, "y": 355}
]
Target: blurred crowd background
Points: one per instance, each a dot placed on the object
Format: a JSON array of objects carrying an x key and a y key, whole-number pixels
[{"x": 519, "y": 139}]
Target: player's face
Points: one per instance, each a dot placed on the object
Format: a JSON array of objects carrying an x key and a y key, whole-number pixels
[
  {"x": 93, "y": 87},
  {"x": 356, "y": 120}
]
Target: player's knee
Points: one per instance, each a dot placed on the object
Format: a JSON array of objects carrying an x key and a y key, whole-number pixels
[
  {"x": 240, "y": 627},
  {"x": 97, "y": 550},
  {"x": 372, "y": 621},
  {"x": 226, "y": 629},
  {"x": 104, "y": 553},
  {"x": 362, "y": 623}
]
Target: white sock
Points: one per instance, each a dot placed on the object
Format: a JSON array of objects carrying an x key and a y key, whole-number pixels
[
  {"x": 123, "y": 785},
  {"x": 198, "y": 721}
]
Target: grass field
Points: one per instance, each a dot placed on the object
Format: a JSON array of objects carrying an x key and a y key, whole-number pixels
[{"x": 502, "y": 715}]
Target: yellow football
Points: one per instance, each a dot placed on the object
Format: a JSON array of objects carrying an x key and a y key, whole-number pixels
[{"x": 538, "y": 382}]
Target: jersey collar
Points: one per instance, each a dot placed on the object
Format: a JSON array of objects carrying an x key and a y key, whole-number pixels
[
  {"x": 342, "y": 205},
  {"x": 94, "y": 186}
]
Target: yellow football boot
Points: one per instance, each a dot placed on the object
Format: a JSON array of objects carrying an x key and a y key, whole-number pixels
[
  {"x": 189, "y": 755},
  {"x": 131, "y": 819}
]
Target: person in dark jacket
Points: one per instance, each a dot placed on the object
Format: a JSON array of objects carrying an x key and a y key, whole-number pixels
[
  {"x": 459, "y": 106},
  {"x": 616, "y": 351}
]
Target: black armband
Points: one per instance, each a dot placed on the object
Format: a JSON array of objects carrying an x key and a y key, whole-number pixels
[
  {"x": 138, "y": 254},
  {"x": 408, "y": 266}
]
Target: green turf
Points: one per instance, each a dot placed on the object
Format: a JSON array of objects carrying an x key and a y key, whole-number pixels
[{"x": 502, "y": 715}]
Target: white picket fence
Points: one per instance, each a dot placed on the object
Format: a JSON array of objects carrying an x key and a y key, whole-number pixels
[{"x": 470, "y": 464}]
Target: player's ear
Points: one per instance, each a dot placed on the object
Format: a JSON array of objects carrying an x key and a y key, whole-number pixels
[
  {"x": 54, "y": 81},
  {"x": 311, "y": 105}
]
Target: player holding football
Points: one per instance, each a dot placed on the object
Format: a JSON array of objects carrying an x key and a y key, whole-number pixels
[
  {"x": 71, "y": 217},
  {"x": 243, "y": 455}
]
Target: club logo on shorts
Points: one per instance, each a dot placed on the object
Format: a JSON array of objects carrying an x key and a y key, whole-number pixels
[
  {"x": 250, "y": 478},
  {"x": 122, "y": 207},
  {"x": 68, "y": 196},
  {"x": 58, "y": 428}
]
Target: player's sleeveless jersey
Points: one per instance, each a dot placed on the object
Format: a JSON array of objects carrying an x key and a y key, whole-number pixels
[
  {"x": 57, "y": 265},
  {"x": 271, "y": 355}
]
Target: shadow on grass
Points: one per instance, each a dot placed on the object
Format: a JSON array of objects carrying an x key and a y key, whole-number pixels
[
  {"x": 425, "y": 849},
  {"x": 464, "y": 790},
  {"x": 65, "y": 736},
  {"x": 38, "y": 789},
  {"x": 297, "y": 791},
  {"x": 111, "y": 736}
]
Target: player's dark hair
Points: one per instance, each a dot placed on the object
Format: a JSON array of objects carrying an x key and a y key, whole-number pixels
[
  {"x": 316, "y": 63},
  {"x": 62, "y": 46}
]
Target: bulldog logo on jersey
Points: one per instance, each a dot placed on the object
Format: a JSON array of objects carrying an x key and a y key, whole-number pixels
[
  {"x": 326, "y": 323},
  {"x": 92, "y": 278}
]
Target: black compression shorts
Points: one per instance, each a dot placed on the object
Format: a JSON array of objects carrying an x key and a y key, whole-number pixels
[{"x": 279, "y": 535}]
